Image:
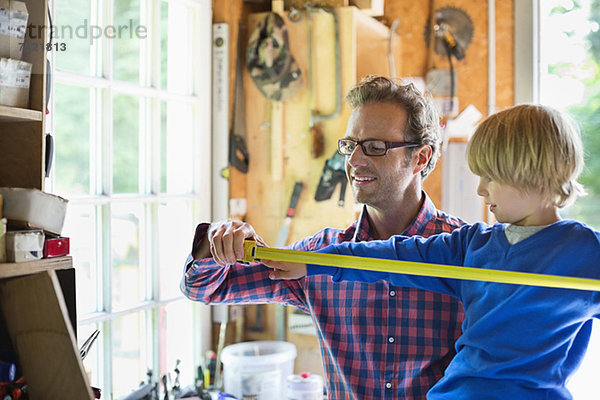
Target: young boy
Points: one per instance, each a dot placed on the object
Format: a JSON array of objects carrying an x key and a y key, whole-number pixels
[{"x": 518, "y": 341}]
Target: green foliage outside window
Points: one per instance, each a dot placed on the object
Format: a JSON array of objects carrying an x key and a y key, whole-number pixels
[{"x": 587, "y": 114}]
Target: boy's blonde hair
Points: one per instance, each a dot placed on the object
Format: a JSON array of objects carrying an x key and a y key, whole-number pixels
[{"x": 531, "y": 147}]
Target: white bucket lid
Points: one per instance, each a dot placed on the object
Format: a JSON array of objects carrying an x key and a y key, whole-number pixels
[{"x": 258, "y": 353}]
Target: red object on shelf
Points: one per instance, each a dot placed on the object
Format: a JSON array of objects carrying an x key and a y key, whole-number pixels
[{"x": 56, "y": 247}]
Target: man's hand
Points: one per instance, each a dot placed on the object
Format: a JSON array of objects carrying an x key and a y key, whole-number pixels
[
  {"x": 226, "y": 239},
  {"x": 285, "y": 270}
]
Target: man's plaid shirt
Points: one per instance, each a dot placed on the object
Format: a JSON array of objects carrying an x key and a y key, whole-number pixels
[{"x": 377, "y": 340}]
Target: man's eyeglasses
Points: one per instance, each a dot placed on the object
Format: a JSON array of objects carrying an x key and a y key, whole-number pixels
[{"x": 371, "y": 147}]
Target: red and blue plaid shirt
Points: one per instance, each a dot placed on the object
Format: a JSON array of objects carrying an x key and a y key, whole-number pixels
[{"x": 377, "y": 340}]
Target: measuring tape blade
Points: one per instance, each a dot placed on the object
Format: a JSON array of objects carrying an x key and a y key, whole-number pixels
[{"x": 253, "y": 252}]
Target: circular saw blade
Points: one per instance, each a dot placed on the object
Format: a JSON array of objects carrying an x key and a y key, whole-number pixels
[{"x": 458, "y": 23}]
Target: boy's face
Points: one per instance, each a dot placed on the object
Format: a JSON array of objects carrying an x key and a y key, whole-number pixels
[{"x": 513, "y": 206}]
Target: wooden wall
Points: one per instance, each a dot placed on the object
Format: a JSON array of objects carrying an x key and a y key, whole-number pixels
[{"x": 472, "y": 71}]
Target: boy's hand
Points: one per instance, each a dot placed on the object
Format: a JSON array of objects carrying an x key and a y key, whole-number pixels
[{"x": 285, "y": 270}]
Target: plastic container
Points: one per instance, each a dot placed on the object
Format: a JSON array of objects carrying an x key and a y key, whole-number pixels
[
  {"x": 258, "y": 370},
  {"x": 304, "y": 387}
]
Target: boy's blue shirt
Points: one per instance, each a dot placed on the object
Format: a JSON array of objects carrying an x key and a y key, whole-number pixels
[{"x": 518, "y": 341}]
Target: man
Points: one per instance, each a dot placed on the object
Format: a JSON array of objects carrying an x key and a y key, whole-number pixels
[{"x": 377, "y": 340}]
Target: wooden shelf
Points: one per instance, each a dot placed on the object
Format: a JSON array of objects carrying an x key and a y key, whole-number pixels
[
  {"x": 10, "y": 270},
  {"x": 36, "y": 316},
  {"x": 8, "y": 114}
]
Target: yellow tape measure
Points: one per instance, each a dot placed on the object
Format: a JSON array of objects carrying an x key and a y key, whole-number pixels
[{"x": 253, "y": 252}]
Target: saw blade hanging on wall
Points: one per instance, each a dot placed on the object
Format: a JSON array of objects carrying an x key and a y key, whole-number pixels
[
  {"x": 316, "y": 133},
  {"x": 238, "y": 152},
  {"x": 452, "y": 26}
]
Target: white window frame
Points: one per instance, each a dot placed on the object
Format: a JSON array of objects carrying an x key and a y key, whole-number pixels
[
  {"x": 149, "y": 193},
  {"x": 527, "y": 51}
]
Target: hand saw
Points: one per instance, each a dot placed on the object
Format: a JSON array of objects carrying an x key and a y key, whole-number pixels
[
  {"x": 238, "y": 152},
  {"x": 284, "y": 231},
  {"x": 254, "y": 252}
]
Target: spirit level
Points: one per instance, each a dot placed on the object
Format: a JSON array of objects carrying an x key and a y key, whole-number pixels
[{"x": 253, "y": 252}]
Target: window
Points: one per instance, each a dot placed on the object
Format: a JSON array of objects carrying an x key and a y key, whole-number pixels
[
  {"x": 559, "y": 66},
  {"x": 131, "y": 122}
]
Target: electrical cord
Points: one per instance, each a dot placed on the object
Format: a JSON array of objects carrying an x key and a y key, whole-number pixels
[{"x": 449, "y": 52}]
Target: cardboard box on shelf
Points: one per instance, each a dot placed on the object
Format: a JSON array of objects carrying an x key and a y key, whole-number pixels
[
  {"x": 24, "y": 246},
  {"x": 32, "y": 208},
  {"x": 13, "y": 26},
  {"x": 15, "y": 77}
]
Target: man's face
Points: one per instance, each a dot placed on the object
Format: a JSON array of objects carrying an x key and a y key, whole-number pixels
[{"x": 377, "y": 181}]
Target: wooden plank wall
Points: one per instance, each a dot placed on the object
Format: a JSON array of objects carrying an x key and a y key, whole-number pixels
[{"x": 472, "y": 71}]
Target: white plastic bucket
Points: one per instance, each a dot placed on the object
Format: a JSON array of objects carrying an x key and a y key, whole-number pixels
[{"x": 258, "y": 370}]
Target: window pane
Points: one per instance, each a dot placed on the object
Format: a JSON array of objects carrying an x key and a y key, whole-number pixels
[
  {"x": 80, "y": 227},
  {"x": 176, "y": 50},
  {"x": 72, "y": 21},
  {"x": 127, "y": 40},
  {"x": 125, "y": 144},
  {"x": 176, "y": 149},
  {"x": 72, "y": 139},
  {"x": 178, "y": 320},
  {"x": 164, "y": 49},
  {"x": 570, "y": 81},
  {"x": 127, "y": 286},
  {"x": 130, "y": 358},
  {"x": 175, "y": 228}
]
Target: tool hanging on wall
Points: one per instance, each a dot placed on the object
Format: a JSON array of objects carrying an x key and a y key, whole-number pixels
[
  {"x": 448, "y": 32},
  {"x": 220, "y": 122},
  {"x": 238, "y": 152},
  {"x": 284, "y": 231},
  {"x": 276, "y": 74},
  {"x": 334, "y": 172},
  {"x": 317, "y": 137},
  {"x": 269, "y": 60},
  {"x": 254, "y": 252},
  {"x": 451, "y": 26}
]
